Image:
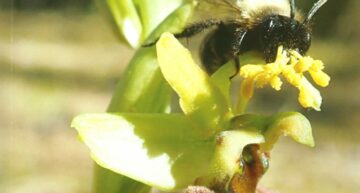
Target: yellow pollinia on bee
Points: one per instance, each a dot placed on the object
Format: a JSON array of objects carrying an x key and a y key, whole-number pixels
[{"x": 292, "y": 66}]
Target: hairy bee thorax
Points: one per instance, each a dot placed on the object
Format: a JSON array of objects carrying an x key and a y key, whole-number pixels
[
  {"x": 277, "y": 30},
  {"x": 255, "y": 18}
]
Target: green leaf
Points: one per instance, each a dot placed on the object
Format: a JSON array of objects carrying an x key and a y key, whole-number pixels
[
  {"x": 110, "y": 182},
  {"x": 221, "y": 78},
  {"x": 174, "y": 23},
  {"x": 127, "y": 20},
  {"x": 153, "y": 12},
  {"x": 160, "y": 150},
  {"x": 143, "y": 88},
  {"x": 135, "y": 20},
  {"x": 291, "y": 124},
  {"x": 200, "y": 99}
]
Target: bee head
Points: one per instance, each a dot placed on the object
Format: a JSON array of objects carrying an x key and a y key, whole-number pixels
[{"x": 283, "y": 31}]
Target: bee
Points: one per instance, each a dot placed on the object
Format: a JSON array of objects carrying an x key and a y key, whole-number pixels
[{"x": 252, "y": 25}]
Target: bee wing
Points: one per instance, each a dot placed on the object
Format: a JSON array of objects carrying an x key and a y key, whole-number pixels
[
  {"x": 251, "y": 7},
  {"x": 224, "y": 4},
  {"x": 239, "y": 9},
  {"x": 222, "y": 9}
]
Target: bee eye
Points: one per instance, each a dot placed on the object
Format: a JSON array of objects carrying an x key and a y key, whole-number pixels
[{"x": 270, "y": 25}]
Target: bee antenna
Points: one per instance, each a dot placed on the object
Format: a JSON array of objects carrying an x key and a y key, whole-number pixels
[
  {"x": 292, "y": 9},
  {"x": 313, "y": 10}
]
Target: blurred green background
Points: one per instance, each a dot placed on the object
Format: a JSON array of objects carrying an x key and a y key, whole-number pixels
[{"x": 60, "y": 58}]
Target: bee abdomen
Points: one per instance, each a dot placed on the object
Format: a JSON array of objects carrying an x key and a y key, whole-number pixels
[
  {"x": 210, "y": 57},
  {"x": 217, "y": 48}
]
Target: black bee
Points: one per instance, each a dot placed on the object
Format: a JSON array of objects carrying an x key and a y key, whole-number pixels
[{"x": 259, "y": 25}]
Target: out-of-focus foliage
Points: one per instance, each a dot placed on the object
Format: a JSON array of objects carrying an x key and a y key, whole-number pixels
[{"x": 46, "y": 4}]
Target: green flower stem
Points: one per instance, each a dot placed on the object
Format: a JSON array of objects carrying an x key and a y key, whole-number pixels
[
  {"x": 133, "y": 94},
  {"x": 107, "y": 181},
  {"x": 126, "y": 18},
  {"x": 141, "y": 89},
  {"x": 242, "y": 102},
  {"x": 246, "y": 88}
]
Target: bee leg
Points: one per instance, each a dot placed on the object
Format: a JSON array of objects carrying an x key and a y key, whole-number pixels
[
  {"x": 191, "y": 30},
  {"x": 196, "y": 28},
  {"x": 237, "y": 67},
  {"x": 236, "y": 48}
]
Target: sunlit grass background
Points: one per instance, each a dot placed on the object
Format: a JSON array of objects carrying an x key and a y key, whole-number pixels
[{"x": 61, "y": 59}]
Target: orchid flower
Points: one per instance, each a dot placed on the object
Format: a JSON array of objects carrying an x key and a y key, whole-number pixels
[{"x": 203, "y": 144}]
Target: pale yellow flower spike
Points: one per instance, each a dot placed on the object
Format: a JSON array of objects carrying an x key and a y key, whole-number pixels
[{"x": 291, "y": 65}]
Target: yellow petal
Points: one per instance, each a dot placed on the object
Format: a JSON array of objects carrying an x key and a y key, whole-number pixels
[
  {"x": 262, "y": 79},
  {"x": 247, "y": 88},
  {"x": 317, "y": 65},
  {"x": 250, "y": 70},
  {"x": 281, "y": 57},
  {"x": 291, "y": 65},
  {"x": 291, "y": 76},
  {"x": 303, "y": 64},
  {"x": 309, "y": 96},
  {"x": 273, "y": 68},
  {"x": 320, "y": 78},
  {"x": 276, "y": 83},
  {"x": 295, "y": 54},
  {"x": 200, "y": 99}
]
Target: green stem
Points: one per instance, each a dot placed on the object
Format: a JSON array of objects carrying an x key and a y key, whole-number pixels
[
  {"x": 244, "y": 96},
  {"x": 141, "y": 89},
  {"x": 107, "y": 181},
  {"x": 138, "y": 90}
]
